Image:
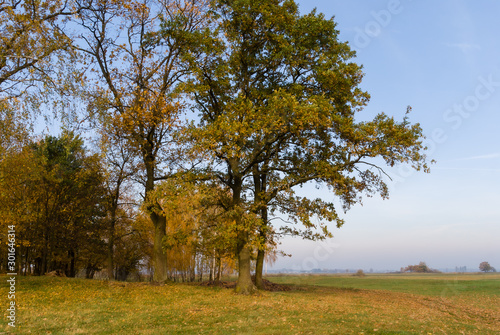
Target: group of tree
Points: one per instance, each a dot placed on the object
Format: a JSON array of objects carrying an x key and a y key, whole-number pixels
[
  {"x": 419, "y": 268},
  {"x": 486, "y": 267},
  {"x": 53, "y": 192},
  {"x": 63, "y": 202},
  {"x": 275, "y": 98}
]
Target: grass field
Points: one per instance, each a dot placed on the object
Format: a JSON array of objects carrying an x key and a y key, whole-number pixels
[{"x": 375, "y": 304}]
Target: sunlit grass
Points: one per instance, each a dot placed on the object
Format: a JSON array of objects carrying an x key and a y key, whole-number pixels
[{"x": 338, "y": 305}]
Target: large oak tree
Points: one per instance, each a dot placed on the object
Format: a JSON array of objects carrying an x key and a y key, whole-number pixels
[{"x": 278, "y": 98}]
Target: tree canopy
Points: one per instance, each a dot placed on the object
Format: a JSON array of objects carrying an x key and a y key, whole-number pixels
[
  {"x": 486, "y": 267},
  {"x": 31, "y": 34}
]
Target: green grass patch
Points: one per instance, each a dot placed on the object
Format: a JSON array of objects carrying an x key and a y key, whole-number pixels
[{"x": 446, "y": 284}]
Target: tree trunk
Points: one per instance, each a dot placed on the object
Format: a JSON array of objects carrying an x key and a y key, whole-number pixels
[
  {"x": 72, "y": 271},
  {"x": 112, "y": 227},
  {"x": 27, "y": 266},
  {"x": 160, "y": 274},
  {"x": 192, "y": 271},
  {"x": 244, "y": 284},
  {"x": 211, "y": 268},
  {"x": 259, "y": 266},
  {"x": 110, "y": 263},
  {"x": 261, "y": 253},
  {"x": 45, "y": 254},
  {"x": 219, "y": 268},
  {"x": 260, "y": 185}
]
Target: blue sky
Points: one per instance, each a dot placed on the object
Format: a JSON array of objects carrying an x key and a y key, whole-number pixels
[{"x": 443, "y": 59}]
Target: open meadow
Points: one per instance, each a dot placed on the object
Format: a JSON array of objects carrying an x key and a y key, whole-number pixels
[{"x": 315, "y": 304}]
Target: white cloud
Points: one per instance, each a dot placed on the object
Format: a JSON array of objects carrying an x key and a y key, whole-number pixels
[
  {"x": 464, "y": 47},
  {"x": 480, "y": 157},
  {"x": 467, "y": 169}
]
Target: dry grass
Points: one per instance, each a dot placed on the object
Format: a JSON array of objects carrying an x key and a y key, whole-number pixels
[{"x": 74, "y": 306}]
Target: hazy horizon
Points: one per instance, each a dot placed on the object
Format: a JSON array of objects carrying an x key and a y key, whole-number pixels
[{"x": 442, "y": 59}]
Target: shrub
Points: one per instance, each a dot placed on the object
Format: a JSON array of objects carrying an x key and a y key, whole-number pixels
[{"x": 359, "y": 273}]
